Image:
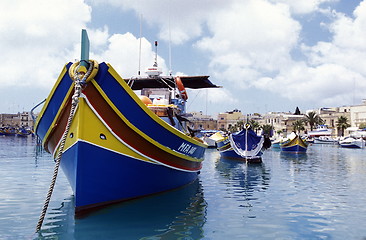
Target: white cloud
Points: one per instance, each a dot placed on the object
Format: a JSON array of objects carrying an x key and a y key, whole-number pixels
[
  {"x": 303, "y": 7},
  {"x": 249, "y": 44},
  {"x": 253, "y": 38},
  {"x": 35, "y": 41},
  {"x": 122, "y": 53},
  {"x": 324, "y": 84},
  {"x": 207, "y": 99},
  {"x": 336, "y": 66},
  {"x": 179, "y": 20}
]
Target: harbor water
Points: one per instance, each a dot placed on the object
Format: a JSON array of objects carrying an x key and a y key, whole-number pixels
[{"x": 317, "y": 195}]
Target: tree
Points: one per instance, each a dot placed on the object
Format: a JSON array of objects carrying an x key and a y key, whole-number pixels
[
  {"x": 298, "y": 125},
  {"x": 254, "y": 125},
  {"x": 239, "y": 125},
  {"x": 342, "y": 124},
  {"x": 267, "y": 129},
  {"x": 313, "y": 119},
  {"x": 362, "y": 125}
]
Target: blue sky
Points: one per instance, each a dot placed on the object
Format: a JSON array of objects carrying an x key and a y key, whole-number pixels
[{"x": 269, "y": 55}]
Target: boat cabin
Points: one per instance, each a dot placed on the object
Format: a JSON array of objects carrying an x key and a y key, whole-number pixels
[{"x": 161, "y": 102}]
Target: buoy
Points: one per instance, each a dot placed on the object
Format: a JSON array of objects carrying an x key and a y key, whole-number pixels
[
  {"x": 145, "y": 100},
  {"x": 181, "y": 88}
]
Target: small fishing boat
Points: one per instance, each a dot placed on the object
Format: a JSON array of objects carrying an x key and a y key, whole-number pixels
[
  {"x": 325, "y": 140},
  {"x": 23, "y": 132},
  {"x": 294, "y": 144},
  {"x": 206, "y": 137},
  {"x": 321, "y": 130},
  {"x": 275, "y": 143},
  {"x": 114, "y": 145},
  {"x": 351, "y": 142},
  {"x": 8, "y": 131},
  {"x": 245, "y": 145}
]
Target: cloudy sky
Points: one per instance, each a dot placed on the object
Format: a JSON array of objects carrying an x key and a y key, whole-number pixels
[{"x": 269, "y": 55}]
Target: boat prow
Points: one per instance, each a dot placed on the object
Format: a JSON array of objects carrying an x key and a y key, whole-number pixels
[
  {"x": 295, "y": 144},
  {"x": 117, "y": 147}
]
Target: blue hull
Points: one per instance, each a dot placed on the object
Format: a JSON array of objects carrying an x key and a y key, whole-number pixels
[
  {"x": 349, "y": 146},
  {"x": 105, "y": 177},
  {"x": 226, "y": 151},
  {"x": 230, "y": 154},
  {"x": 294, "y": 149}
]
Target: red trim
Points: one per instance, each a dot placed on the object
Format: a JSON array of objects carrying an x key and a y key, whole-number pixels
[
  {"x": 59, "y": 128},
  {"x": 128, "y": 135}
]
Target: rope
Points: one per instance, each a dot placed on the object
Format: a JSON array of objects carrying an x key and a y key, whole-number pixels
[{"x": 75, "y": 100}]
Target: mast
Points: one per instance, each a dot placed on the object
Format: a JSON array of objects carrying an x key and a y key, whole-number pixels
[
  {"x": 85, "y": 47},
  {"x": 139, "y": 72}
]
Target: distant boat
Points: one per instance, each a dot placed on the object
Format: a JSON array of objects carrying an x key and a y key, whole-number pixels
[
  {"x": 120, "y": 146},
  {"x": 206, "y": 137},
  {"x": 351, "y": 142},
  {"x": 325, "y": 140},
  {"x": 277, "y": 142},
  {"x": 245, "y": 145},
  {"x": 23, "y": 132},
  {"x": 321, "y": 130},
  {"x": 294, "y": 144},
  {"x": 8, "y": 131}
]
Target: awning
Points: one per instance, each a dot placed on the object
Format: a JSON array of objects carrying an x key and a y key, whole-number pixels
[{"x": 195, "y": 82}]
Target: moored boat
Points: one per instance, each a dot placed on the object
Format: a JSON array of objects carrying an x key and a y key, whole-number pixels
[
  {"x": 115, "y": 145},
  {"x": 275, "y": 143},
  {"x": 351, "y": 142},
  {"x": 243, "y": 145},
  {"x": 321, "y": 130},
  {"x": 8, "y": 131},
  {"x": 294, "y": 144},
  {"x": 325, "y": 140},
  {"x": 23, "y": 132},
  {"x": 206, "y": 137}
]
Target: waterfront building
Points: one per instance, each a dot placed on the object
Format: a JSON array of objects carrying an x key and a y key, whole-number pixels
[
  {"x": 228, "y": 119},
  {"x": 20, "y": 119},
  {"x": 280, "y": 121},
  {"x": 358, "y": 115},
  {"x": 200, "y": 121}
]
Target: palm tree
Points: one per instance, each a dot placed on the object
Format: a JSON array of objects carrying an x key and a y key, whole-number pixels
[
  {"x": 232, "y": 128},
  {"x": 254, "y": 125},
  {"x": 267, "y": 129},
  {"x": 298, "y": 125},
  {"x": 342, "y": 124},
  {"x": 313, "y": 119},
  {"x": 240, "y": 125}
]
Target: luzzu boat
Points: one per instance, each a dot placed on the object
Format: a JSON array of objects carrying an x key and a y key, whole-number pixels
[
  {"x": 294, "y": 144},
  {"x": 243, "y": 145},
  {"x": 117, "y": 145}
]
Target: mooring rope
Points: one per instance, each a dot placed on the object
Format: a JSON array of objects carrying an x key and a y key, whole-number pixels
[{"x": 75, "y": 101}]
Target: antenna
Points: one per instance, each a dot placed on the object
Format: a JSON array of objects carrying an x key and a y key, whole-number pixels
[
  {"x": 170, "y": 46},
  {"x": 140, "y": 45},
  {"x": 156, "y": 54},
  {"x": 154, "y": 71}
]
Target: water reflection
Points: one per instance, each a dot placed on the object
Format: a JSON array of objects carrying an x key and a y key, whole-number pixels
[
  {"x": 295, "y": 157},
  {"x": 177, "y": 214},
  {"x": 242, "y": 179}
]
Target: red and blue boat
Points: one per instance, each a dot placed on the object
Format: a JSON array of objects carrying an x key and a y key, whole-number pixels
[
  {"x": 23, "y": 132},
  {"x": 120, "y": 146},
  {"x": 294, "y": 144}
]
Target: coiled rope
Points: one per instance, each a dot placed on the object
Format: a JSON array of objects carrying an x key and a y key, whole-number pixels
[{"x": 75, "y": 100}]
